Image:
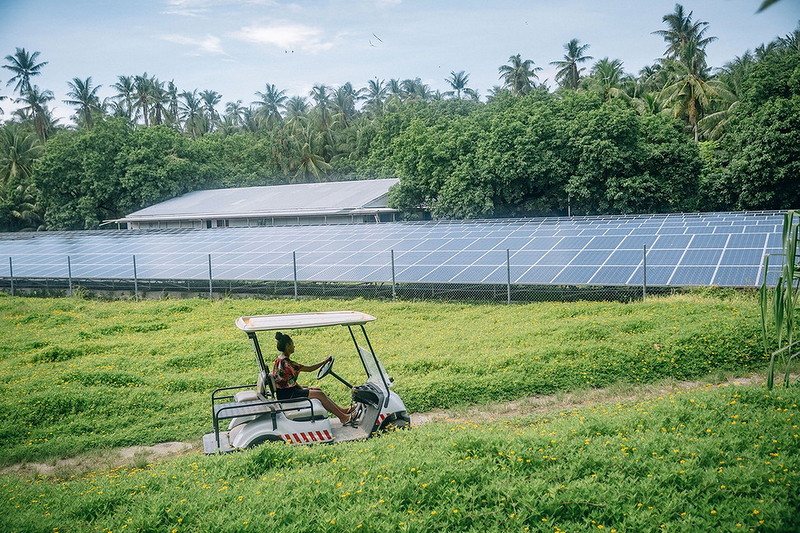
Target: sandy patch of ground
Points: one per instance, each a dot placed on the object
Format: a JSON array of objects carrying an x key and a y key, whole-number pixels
[
  {"x": 131, "y": 456},
  {"x": 569, "y": 400}
]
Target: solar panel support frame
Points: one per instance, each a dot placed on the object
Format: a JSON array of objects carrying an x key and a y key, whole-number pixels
[
  {"x": 394, "y": 283},
  {"x": 11, "y": 274},
  {"x": 508, "y": 276},
  {"x": 69, "y": 274},
  {"x": 294, "y": 268},
  {"x": 135, "y": 280},
  {"x": 644, "y": 272},
  {"x": 210, "y": 282}
]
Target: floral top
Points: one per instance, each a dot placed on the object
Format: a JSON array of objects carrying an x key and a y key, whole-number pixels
[{"x": 285, "y": 371}]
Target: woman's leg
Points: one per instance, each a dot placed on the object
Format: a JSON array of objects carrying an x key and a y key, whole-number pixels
[{"x": 329, "y": 404}]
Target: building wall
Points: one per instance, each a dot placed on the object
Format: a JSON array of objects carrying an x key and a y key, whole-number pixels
[{"x": 268, "y": 221}]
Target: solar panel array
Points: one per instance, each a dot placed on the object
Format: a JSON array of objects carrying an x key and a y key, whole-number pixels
[{"x": 724, "y": 249}]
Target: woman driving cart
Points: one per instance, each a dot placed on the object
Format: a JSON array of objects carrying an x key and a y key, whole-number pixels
[{"x": 285, "y": 371}]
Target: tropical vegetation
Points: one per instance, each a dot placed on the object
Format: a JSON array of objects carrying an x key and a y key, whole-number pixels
[
  {"x": 679, "y": 135},
  {"x": 84, "y": 377},
  {"x": 81, "y": 374}
]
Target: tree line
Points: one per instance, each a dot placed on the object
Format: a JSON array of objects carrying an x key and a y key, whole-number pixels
[{"x": 679, "y": 136}]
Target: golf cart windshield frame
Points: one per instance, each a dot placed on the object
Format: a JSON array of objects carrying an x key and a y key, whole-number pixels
[{"x": 253, "y": 324}]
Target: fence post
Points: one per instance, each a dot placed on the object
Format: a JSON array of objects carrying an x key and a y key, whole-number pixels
[
  {"x": 11, "y": 273},
  {"x": 644, "y": 272},
  {"x": 508, "y": 276},
  {"x": 394, "y": 290},
  {"x": 69, "y": 274},
  {"x": 210, "y": 284},
  {"x": 135, "y": 280},
  {"x": 294, "y": 268}
]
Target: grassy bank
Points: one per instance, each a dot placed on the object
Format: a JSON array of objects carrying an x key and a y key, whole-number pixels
[
  {"x": 719, "y": 459},
  {"x": 81, "y": 374}
]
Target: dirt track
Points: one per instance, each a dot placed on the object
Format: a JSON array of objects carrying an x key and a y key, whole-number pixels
[{"x": 143, "y": 455}]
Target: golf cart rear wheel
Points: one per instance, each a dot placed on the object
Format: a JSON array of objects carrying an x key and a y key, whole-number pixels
[{"x": 263, "y": 439}]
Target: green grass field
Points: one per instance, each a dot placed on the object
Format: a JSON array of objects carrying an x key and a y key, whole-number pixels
[{"x": 80, "y": 376}]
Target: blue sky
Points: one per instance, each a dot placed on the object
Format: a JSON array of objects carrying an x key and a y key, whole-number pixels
[{"x": 237, "y": 46}]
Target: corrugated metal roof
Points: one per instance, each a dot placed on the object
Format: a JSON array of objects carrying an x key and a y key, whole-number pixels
[{"x": 274, "y": 200}]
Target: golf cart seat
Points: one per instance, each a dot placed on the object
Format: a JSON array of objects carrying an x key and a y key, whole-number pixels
[
  {"x": 298, "y": 409},
  {"x": 259, "y": 394}
]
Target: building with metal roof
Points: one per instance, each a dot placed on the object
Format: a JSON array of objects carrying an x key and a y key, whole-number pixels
[{"x": 343, "y": 202}]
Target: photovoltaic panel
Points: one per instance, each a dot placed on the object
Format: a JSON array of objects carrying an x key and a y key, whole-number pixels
[{"x": 682, "y": 249}]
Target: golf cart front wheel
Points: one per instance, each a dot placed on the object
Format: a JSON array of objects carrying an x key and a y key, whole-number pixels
[{"x": 396, "y": 421}]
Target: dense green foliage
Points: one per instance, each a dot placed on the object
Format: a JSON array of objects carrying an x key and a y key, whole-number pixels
[
  {"x": 722, "y": 459},
  {"x": 81, "y": 374},
  {"x": 678, "y": 136},
  {"x": 534, "y": 155}
]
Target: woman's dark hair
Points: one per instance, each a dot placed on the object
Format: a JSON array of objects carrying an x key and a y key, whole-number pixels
[{"x": 283, "y": 341}]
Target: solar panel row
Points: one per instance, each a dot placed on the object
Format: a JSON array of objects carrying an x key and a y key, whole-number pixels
[{"x": 698, "y": 249}]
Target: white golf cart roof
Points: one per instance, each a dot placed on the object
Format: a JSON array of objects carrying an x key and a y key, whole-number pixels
[{"x": 302, "y": 320}]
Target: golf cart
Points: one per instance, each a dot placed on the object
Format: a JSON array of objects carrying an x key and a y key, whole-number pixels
[{"x": 254, "y": 415}]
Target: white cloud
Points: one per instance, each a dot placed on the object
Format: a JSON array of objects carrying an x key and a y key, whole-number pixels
[
  {"x": 196, "y": 8},
  {"x": 185, "y": 8},
  {"x": 208, "y": 45},
  {"x": 286, "y": 36}
]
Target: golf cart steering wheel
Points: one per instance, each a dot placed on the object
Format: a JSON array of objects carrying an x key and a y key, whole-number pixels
[{"x": 325, "y": 369}]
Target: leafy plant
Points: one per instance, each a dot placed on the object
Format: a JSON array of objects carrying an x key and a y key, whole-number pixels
[
  {"x": 87, "y": 374},
  {"x": 780, "y": 316}
]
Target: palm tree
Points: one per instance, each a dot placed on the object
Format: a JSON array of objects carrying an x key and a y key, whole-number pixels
[
  {"x": 143, "y": 95},
  {"x": 647, "y": 104},
  {"x": 607, "y": 77},
  {"x": 250, "y": 120},
  {"x": 344, "y": 102},
  {"x": 211, "y": 99},
  {"x": 192, "y": 114},
  {"x": 322, "y": 102},
  {"x": 28, "y": 209},
  {"x": 652, "y": 78},
  {"x": 24, "y": 66},
  {"x": 519, "y": 74},
  {"x": 84, "y": 96},
  {"x": 36, "y": 108},
  {"x": 125, "y": 94},
  {"x": 19, "y": 150},
  {"x": 173, "y": 106},
  {"x": 472, "y": 94},
  {"x": 791, "y": 41},
  {"x": 296, "y": 113},
  {"x": 308, "y": 162},
  {"x": 681, "y": 32},
  {"x": 458, "y": 81},
  {"x": 296, "y": 106},
  {"x": 377, "y": 92},
  {"x": 395, "y": 89},
  {"x": 160, "y": 104},
  {"x": 269, "y": 107},
  {"x": 234, "y": 113},
  {"x": 495, "y": 92},
  {"x": 569, "y": 75},
  {"x": 416, "y": 90},
  {"x": 691, "y": 93}
]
